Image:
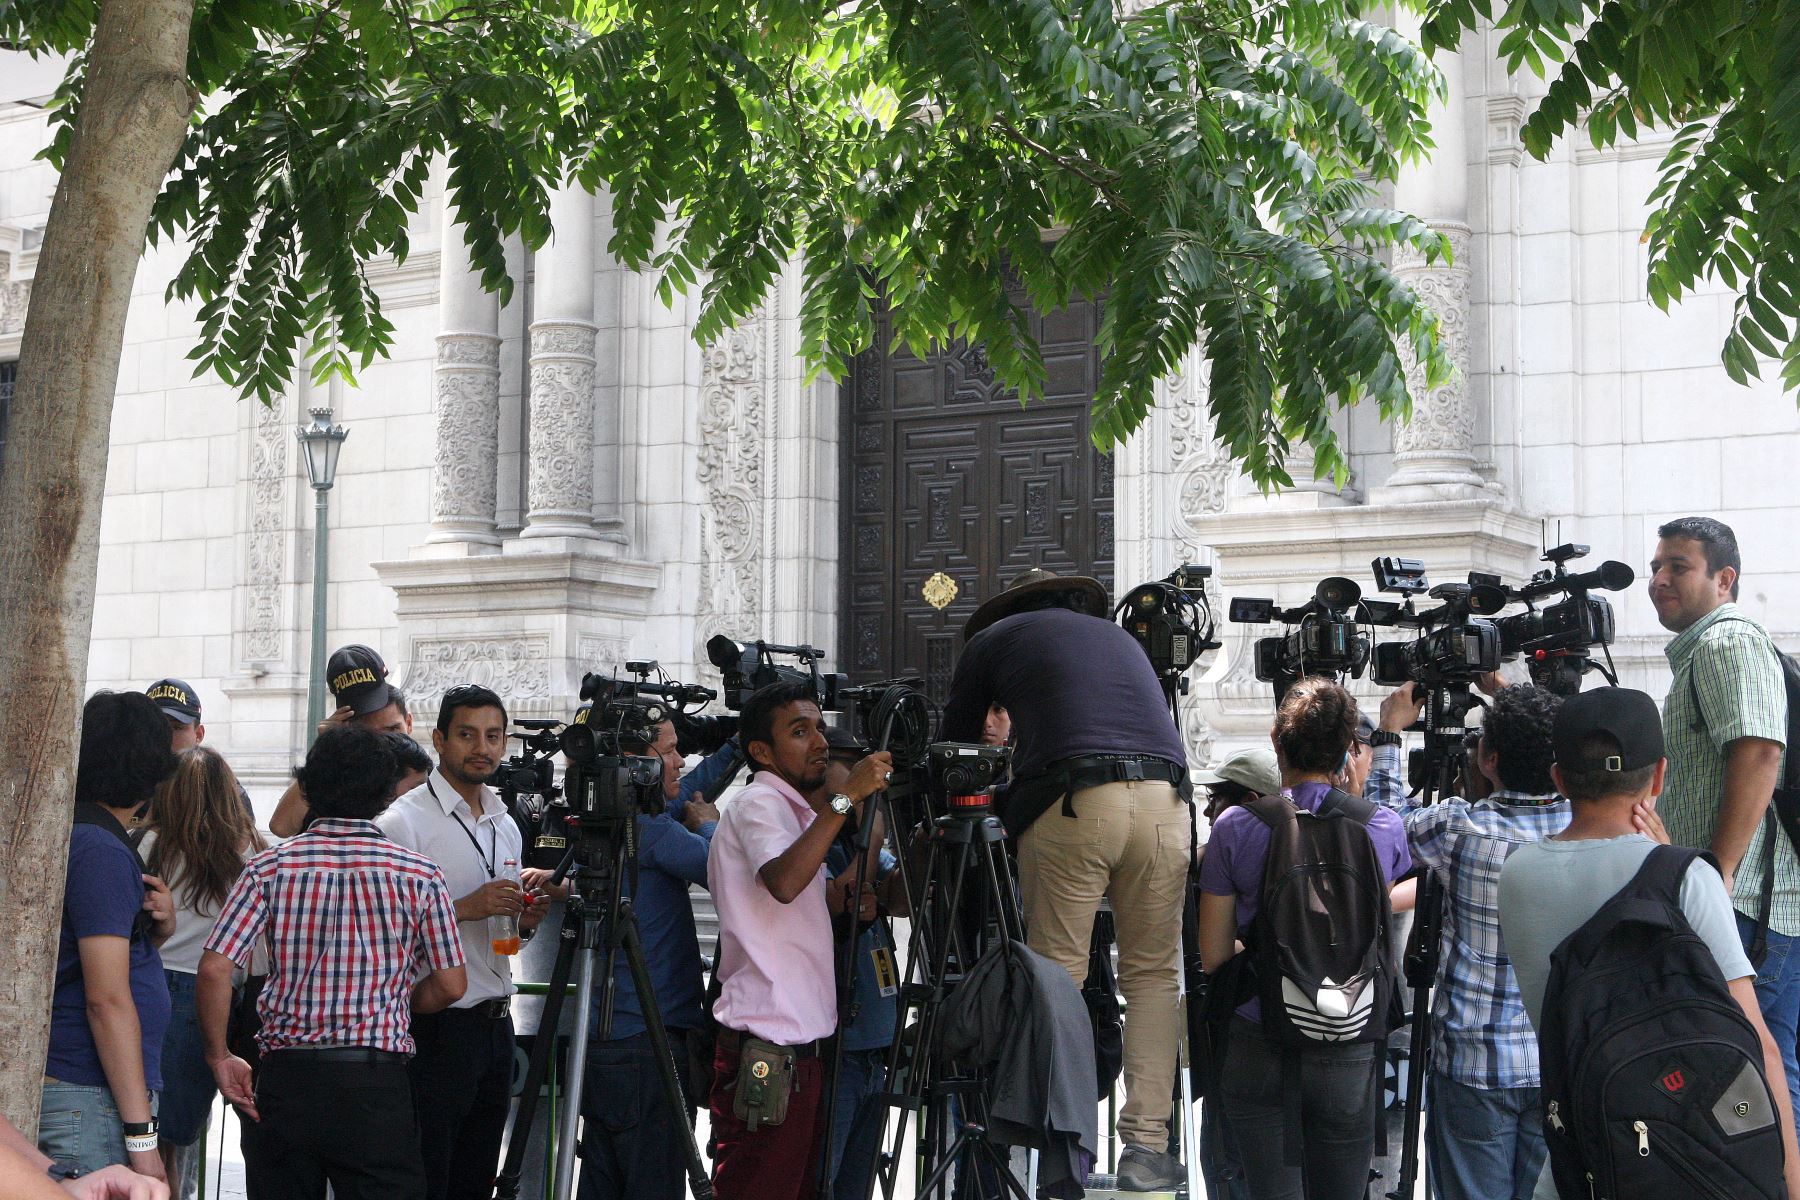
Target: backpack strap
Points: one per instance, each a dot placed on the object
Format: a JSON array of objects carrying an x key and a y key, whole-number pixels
[
  {"x": 1646, "y": 897},
  {"x": 1338, "y": 802},
  {"x": 1663, "y": 870},
  {"x": 1274, "y": 811}
]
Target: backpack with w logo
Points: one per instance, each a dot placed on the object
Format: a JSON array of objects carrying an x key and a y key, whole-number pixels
[
  {"x": 1323, "y": 963},
  {"x": 1653, "y": 1081}
]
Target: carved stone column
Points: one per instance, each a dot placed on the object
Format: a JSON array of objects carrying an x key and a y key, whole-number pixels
[
  {"x": 1434, "y": 454},
  {"x": 466, "y": 385},
  {"x": 561, "y": 479}
]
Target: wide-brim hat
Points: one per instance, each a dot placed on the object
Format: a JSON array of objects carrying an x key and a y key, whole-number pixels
[{"x": 1036, "y": 582}]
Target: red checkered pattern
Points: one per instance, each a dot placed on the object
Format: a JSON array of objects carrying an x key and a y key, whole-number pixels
[{"x": 352, "y": 920}]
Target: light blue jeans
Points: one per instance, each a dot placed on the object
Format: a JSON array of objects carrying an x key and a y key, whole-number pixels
[{"x": 81, "y": 1126}]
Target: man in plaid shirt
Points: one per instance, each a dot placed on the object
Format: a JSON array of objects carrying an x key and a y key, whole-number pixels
[
  {"x": 1726, "y": 726},
  {"x": 361, "y": 934},
  {"x": 1485, "y": 1136}
]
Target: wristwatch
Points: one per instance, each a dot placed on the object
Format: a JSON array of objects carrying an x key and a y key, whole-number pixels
[
  {"x": 140, "y": 1128},
  {"x": 140, "y": 1136},
  {"x": 842, "y": 805},
  {"x": 60, "y": 1171},
  {"x": 1384, "y": 737}
]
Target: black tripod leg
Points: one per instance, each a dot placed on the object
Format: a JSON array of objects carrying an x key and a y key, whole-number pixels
[
  {"x": 1427, "y": 916},
  {"x": 506, "y": 1186},
  {"x": 698, "y": 1178}
]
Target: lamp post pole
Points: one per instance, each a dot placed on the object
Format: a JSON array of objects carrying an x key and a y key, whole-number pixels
[{"x": 320, "y": 442}]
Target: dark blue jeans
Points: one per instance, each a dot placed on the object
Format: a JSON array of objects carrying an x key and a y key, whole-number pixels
[
  {"x": 1778, "y": 992},
  {"x": 1484, "y": 1144},
  {"x": 857, "y": 1133},
  {"x": 188, "y": 1086},
  {"x": 630, "y": 1141}
]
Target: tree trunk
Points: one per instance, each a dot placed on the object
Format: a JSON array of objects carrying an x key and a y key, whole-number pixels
[{"x": 134, "y": 114}]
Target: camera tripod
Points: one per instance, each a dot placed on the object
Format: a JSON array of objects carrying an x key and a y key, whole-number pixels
[
  {"x": 1445, "y": 756},
  {"x": 599, "y": 916},
  {"x": 965, "y": 845}
]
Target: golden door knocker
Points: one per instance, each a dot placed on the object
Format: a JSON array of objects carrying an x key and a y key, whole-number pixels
[{"x": 939, "y": 591}]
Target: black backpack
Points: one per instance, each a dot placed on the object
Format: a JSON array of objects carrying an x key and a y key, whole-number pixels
[
  {"x": 1319, "y": 941},
  {"x": 1653, "y": 1083}
]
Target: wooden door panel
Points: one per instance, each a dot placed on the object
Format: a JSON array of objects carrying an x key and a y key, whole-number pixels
[{"x": 944, "y": 471}]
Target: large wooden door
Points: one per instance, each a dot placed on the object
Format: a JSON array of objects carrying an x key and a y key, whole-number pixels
[{"x": 943, "y": 471}]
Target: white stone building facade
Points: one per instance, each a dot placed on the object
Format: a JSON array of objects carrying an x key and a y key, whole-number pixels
[{"x": 532, "y": 491}]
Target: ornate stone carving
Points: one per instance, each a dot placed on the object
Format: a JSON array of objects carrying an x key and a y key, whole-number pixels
[
  {"x": 733, "y": 410},
  {"x": 561, "y": 476},
  {"x": 594, "y": 652},
  {"x": 467, "y": 405},
  {"x": 14, "y": 299},
  {"x": 1435, "y": 450},
  {"x": 266, "y": 550},
  {"x": 517, "y": 666},
  {"x": 1203, "y": 467}
]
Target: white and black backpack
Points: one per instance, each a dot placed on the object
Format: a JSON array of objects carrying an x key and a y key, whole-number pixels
[
  {"x": 1319, "y": 941},
  {"x": 1653, "y": 1084}
]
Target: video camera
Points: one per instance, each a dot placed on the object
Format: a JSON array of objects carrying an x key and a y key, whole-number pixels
[
  {"x": 1326, "y": 641},
  {"x": 1459, "y": 644},
  {"x": 1557, "y": 640},
  {"x": 751, "y": 666},
  {"x": 530, "y": 772},
  {"x": 1171, "y": 619}
]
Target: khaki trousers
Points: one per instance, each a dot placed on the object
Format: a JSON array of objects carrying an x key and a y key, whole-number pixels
[{"x": 1130, "y": 842}]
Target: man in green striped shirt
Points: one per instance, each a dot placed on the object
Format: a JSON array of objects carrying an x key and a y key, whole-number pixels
[{"x": 1725, "y": 722}]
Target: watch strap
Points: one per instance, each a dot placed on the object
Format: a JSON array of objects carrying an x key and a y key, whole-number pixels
[
  {"x": 1384, "y": 737},
  {"x": 139, "y": 1128},
  {"x": 60, "y": 1171}
]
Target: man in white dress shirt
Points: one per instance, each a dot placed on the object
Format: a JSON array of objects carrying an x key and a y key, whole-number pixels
[{"x": 462, "y": 1070}]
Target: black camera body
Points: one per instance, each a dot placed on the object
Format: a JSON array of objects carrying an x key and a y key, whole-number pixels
[
  {"x": 1326, "y": 640},
  {"x": 1459, "y": 653},
  {"x": 966, "y": 768},
  {"x": 1171, "y": 619},
  {"x": 1459, "y": 644},
  {"x": 529, "y": 773},
  {"x": 1557, "y": 641},
  {"x": 749, "y": 667}
]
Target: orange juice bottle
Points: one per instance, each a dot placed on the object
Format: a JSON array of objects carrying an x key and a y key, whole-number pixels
[{"x": 503, "y": 930}]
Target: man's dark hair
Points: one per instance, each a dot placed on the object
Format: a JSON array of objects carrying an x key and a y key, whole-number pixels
[
  {"x": 1717, "y": 542},
  {"x": 756, "y": 723},
  {"x": 465, "y": 695},
  {"x": 1597, "y": 783},
  {"x": 1517, "y": 730},
  {"x": 397, "y": 695},
  {"x": 409, "y": 756},
  {"x": 125, "y": 750},
  {"x": 349, "y": 772}
]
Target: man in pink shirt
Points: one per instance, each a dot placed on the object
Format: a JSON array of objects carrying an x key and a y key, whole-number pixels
[{"x": 766, "y": 872}]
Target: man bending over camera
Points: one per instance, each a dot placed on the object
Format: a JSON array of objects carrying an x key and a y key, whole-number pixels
[
  {"x": 1096, "y": 806},
  {"x": 777, "y": 1000}
]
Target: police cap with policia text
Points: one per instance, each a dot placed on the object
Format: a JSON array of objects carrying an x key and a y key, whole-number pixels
[{"x": 358, "y": 678}]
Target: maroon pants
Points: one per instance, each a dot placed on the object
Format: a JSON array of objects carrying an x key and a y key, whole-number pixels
[{"x": 777, "y": 1162}]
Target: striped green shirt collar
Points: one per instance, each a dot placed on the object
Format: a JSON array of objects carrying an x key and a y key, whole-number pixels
[{"x": 1681, "y": 646}]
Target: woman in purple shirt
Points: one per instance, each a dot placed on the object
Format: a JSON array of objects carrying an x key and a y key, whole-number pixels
[{"x": 1313, "y": 736}]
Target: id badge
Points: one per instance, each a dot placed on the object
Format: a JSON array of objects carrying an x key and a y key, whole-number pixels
[{"x": 887, "y": 979}]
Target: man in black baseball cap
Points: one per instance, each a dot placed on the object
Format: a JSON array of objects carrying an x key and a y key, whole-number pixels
[
  {"x": 358, "y": 679},
  {"x": 1610, "y": 764},
  {"x": 181, "y": 704}
]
